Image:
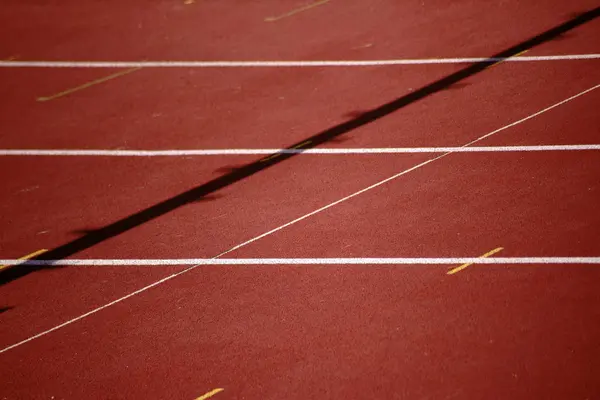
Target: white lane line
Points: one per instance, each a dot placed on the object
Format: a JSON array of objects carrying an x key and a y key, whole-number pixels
[
  {"x": 407, "y": 171},
  {"x": 169, "y": 277},
  {"x": 306, "y": 261},
  {"x": 95, "y": 310},
  {"x": 330, "y": 151},
  {"x": 298, "y": 63}
]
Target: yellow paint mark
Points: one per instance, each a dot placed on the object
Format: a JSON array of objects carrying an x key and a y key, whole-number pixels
[
  {"x": 521, "y": 53},
  {"x": 188, "y": 2},
  {"x": 278, "y": 154},
  {"x": 210, "y": 394},
  {"x": 500, "y": 62},
  {"x": 27, "y": 257},
  {"x": 489, "y": 253},
  {"x": 88, "y": 84},
  {"x": 270, "y": 157},
  {"x": 296, "y": 11},
  {"x": 301, "y": 144}
]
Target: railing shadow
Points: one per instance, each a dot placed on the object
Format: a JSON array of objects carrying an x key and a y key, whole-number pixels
[{"x": 195, "y": 194}]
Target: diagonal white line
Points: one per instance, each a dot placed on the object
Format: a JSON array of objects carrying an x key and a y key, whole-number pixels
[{"x": 167, "y": 278}]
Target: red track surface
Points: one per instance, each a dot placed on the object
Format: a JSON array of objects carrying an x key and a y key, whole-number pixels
[{"x": 272, "y": 332}]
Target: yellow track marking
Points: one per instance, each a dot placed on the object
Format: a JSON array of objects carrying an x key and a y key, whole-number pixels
[
  {"x": 302, "y": 144},
  {"x": 270, "y": 157},
  {"x": 489, "y": 253},
  {"x": 88, "y": 84},
  {"x": 296, "y": 11},
  {"x": 27, "y": 257},
  {"x": 188, "y": 2},
  {"x": 278, "y": 154},
  {"x": 500, "y": 62},
  {"x": 210, "y": 394}
]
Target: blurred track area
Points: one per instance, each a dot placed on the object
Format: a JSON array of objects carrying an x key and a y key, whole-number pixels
[{"x": 290, "y": 200}]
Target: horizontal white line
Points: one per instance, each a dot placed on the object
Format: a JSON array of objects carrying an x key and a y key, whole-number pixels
[
  {"x": 216, "y": 152},
  {"x": 302, "y": 218},
  {"x": 306, "y": 261},
  {"x": 274, "y": 63}
]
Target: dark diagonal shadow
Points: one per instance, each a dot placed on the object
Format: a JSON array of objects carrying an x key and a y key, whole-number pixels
[{"x": 235, "y": 175}]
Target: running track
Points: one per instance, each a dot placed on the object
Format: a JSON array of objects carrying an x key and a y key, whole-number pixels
[{"x": 260, "y": 283}]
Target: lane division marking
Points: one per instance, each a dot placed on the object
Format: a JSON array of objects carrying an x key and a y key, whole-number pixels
[
  {"x": 286, "y": 64},
  {"x": 303, "y": 217},
  {"x": 500, "y": 62},
  {"x": 210, "y": 394},
  {"x": 24, "y": 258},
  {"x": 197, "y": 262},
  {"x": 296, "y": 11},
  {"x": 458, "y": 269},
  {"x": 87, "y": 85},
  {"x": 296, "y": 150}
]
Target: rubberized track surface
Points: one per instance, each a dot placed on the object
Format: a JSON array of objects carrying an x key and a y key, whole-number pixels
[{"x": 258, "y": 331}]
